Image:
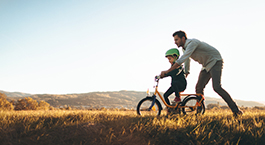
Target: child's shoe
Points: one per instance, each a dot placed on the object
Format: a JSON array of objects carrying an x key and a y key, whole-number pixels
[{"x": 177, "y": 100}]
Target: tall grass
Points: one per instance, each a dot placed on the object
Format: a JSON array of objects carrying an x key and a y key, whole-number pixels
[{"x": 125, "y": 127}]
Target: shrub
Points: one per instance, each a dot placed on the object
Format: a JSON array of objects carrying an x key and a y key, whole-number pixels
[
  {"x": 211, "y": 106},
  {"x": 26, "y": 104},
  {"x": 224, "y": 107},
  {"x": 43, "y": 105},
  {"x": 31, "y": 104},
  {"x": 4, "y": 104}
]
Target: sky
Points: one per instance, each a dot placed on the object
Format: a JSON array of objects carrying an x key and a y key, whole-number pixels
[{"x": 64, "y": 47}]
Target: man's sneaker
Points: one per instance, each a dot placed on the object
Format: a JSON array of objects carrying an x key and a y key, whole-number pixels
[{"x": 238, "y": 113}]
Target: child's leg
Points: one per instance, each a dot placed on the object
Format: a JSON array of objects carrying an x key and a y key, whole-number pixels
[
  {"x": 176, "y": 90},
  {"x": 167, "y": 94}
]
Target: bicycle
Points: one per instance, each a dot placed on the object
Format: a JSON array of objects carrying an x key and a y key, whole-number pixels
[{"x": 191, "y": 104}]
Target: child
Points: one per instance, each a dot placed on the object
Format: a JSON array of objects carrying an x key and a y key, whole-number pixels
[{"x": 178, "y": 83}]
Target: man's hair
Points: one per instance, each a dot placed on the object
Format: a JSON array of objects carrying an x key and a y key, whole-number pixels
[{"x": 180, "y": 34}]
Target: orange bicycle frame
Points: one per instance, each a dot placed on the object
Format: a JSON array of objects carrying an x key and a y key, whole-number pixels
[{"x": 170, "y": 106}]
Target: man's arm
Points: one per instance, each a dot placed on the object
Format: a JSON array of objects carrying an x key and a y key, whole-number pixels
[
  {"x": 190, "y": 48},
  {"x": 187, "y": 67}
]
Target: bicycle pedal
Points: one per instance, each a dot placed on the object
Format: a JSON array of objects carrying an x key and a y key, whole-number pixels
[
  {"x": 174, "y": 110},
  {"x": 170, "y": 109}
]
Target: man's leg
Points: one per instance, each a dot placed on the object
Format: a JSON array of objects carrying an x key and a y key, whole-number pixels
[
  {"x": 216, "y": 73},
  {"x": 203, "y": 80}
]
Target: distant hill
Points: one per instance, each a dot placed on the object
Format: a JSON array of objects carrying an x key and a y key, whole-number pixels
[
  {"x": 116, "y": 99},
  {"x": 15, "y": 94},
  {"x": 241, "y": 103}
]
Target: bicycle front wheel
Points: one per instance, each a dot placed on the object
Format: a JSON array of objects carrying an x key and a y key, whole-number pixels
[
  {"x": 144, "y": 107},
  {"x": 193, "y": 106}
]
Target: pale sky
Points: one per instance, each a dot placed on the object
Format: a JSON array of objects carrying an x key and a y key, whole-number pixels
[{"x": 67, "y": 46}]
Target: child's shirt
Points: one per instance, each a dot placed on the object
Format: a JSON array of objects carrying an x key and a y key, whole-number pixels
[{"x": 177, "y": 75}]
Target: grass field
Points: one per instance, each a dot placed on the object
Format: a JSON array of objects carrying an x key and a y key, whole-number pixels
[{"x": 79, "y": 127}]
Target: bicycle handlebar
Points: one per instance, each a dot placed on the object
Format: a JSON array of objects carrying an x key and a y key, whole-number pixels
[{"x": 157, "y": 78}]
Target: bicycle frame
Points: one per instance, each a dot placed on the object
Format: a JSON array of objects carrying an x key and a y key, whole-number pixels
[{"x": 177, "y": 105}]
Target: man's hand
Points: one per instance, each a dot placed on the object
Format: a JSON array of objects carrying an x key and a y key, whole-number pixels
[{"x": 186, "y": 75}]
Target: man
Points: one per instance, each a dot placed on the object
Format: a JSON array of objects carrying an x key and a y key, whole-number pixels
[{"x": 212, "y": 64}]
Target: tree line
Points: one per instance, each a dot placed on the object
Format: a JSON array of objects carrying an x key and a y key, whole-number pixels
[{"x": 26, "y": 103}]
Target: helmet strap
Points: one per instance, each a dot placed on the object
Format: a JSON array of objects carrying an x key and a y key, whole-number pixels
[{"x": 175, "y": 58}]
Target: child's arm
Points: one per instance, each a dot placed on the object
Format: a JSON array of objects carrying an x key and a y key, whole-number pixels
[{"x": 174, "y": 66}]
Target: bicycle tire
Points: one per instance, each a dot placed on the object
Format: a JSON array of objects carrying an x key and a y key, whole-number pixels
[
  {"x": 192, "y": 101},
  {"x": 144, "y": 105}
]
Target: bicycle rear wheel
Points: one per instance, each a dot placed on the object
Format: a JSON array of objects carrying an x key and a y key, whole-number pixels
[
  {"x": 193, "y": 106},
  {"x": 144, "y": 107}
]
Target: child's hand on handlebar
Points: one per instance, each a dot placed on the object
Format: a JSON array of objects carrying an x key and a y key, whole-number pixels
[
  {"x": 163, "y": 73},
  {"x": 157, "y": 77}
]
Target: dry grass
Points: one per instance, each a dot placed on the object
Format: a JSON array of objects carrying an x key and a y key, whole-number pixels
[{"x": 125, "y": 127}]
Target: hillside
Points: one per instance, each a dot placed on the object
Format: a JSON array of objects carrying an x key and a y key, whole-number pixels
[
  {"x": 118, "y": 99},
  {"x": 15, "y": 94}
]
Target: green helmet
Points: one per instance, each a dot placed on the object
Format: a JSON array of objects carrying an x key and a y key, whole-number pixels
[{"x": 173, "y": 52}]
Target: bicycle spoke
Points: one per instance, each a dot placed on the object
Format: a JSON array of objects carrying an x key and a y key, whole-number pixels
[
  {"x": 144, "y": 107},
  {"x": 193, "y": 106}
]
